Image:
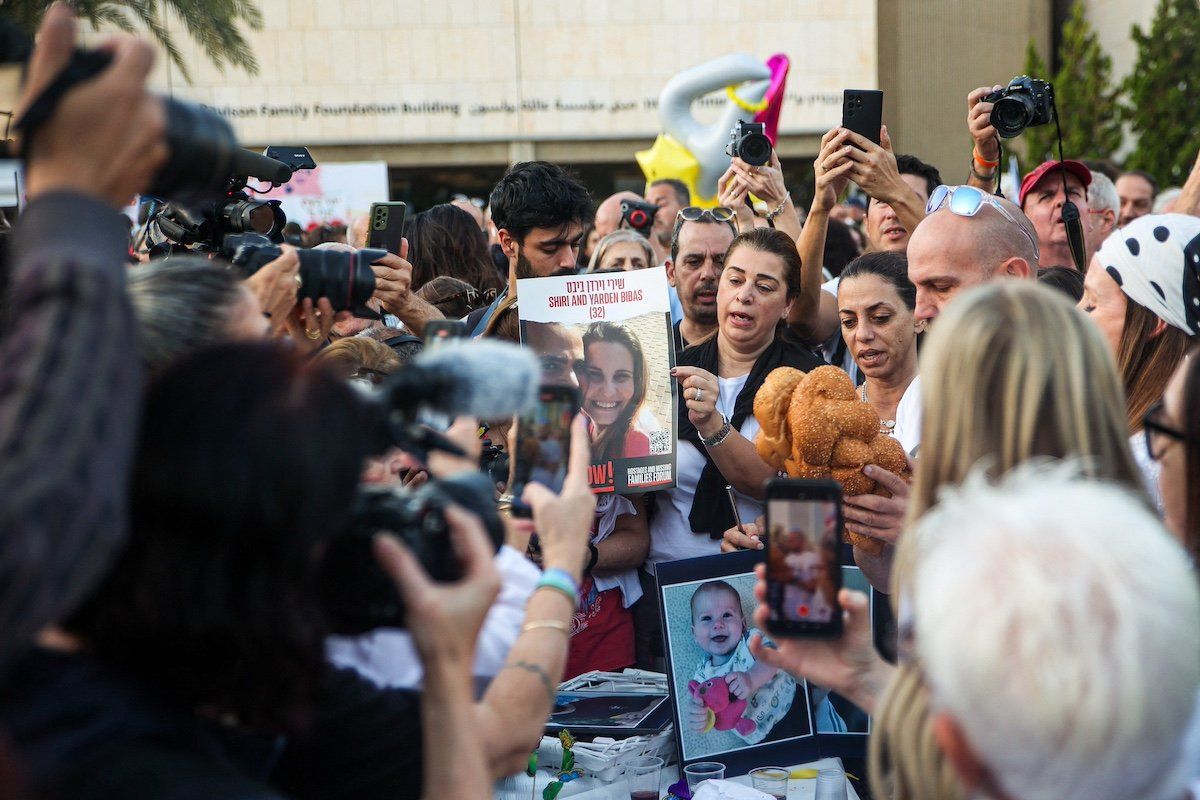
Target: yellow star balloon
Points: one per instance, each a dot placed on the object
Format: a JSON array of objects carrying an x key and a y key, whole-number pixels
[{"x": 669, "y": 159}]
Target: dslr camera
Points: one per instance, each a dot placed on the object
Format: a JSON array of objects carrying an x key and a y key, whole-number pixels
[
  {"x": 1026, "y": 102},
  {"x": 748, "y": 142},
  {"x": 345, "y": 278},
  {"x": 638, "y": 215}
]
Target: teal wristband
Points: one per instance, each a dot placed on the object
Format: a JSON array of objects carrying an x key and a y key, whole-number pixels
[{"x": 560, "y": 581}]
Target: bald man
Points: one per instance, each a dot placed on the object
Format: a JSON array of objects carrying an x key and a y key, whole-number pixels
[{"x": 949, "y": 252}]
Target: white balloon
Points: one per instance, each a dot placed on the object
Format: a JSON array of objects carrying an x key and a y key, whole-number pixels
[{"x": 707, "y": 142}]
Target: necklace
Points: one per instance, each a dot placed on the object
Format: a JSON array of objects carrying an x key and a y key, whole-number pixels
[{"x": 887, "y": 426}]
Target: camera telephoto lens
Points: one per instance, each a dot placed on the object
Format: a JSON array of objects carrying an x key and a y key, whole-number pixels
[
  {"x": 253, "y": 216},
  {"x": 1011, "y": 115},
  {"x": 201, "y": 146},
  {"x": 755, "y": 149},
  {"x": 345, "y": 278}
]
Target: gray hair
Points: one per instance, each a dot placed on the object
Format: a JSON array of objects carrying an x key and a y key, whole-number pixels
[
  {"x": 1055, "y": 620},
  {"x": 617, "y": 237},
  {"x": 182, "y": 303},
  {"x": 1102, "y": 195}
]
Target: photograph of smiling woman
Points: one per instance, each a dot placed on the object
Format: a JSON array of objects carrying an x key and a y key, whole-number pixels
[{"x": 613, "y": 381}]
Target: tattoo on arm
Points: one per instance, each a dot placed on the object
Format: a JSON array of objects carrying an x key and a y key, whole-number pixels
[{"x": 541, "y": 673}]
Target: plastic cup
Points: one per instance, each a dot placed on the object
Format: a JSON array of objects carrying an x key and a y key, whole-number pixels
[
  {"x": 831, "y": 785},
  {"x": 702, "y": 771},
  {"x": 770, "y": 780},
  {"x": 643, "y": 775}
]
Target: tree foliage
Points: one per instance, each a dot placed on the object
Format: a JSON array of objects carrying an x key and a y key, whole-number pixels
[
  {"x": 1163, "y": 109},
  {"x": 214, "y": 24},
  {"x": 1088, "y": 104}
]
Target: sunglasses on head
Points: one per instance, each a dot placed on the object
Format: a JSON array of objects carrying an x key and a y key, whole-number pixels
[
  {"x": 462, "y": 198},
  {"x": 695, "y": 213},
  {"x": 966, "y": 201}
]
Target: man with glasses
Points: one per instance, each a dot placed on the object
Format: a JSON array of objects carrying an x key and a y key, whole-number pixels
[
  {"x": 968, "y": 237},
  {"x": 698, "y": 244}
]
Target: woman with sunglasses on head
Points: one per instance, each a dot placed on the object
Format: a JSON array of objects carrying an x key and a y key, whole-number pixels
[
  {"x": 1172, "y": 432},
  {"x": 1143, "y": 291}
]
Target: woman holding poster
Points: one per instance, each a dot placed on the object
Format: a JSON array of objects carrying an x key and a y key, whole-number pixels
[
  {"x": 613, "y": 382},
  {"x": 718, "y": 378}
]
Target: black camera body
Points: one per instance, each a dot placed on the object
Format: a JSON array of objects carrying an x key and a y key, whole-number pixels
[
  {"x": 748, "y": 142},
  {"x": 357, "y": 595},
  {"x": 1025, "y": 103},
  {"x": 345, "y": 278},
  {"x": 638, "y": 215}
]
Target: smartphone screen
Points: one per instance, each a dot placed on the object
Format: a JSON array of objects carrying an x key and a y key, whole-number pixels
[
  {"x": 804, "y": 574},
  {"x": 862, "y": 112},
  {"x": 544, "y": 441}
]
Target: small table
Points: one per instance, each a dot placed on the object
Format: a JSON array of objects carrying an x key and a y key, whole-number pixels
[{"x": 589, "y": 788}]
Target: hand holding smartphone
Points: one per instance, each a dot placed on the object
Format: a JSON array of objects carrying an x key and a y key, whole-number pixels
[
  {"x": 544, "y": 443},
  {"x": 804, "y": 572},
  {"x": 862, "y": 112}
]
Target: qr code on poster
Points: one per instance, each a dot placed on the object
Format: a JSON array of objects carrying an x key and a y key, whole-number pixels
[{"x": 660, "y": 442}]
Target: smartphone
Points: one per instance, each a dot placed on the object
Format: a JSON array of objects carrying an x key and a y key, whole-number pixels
[
  {"x": 804, "y": 571},
  {"x": 544, "y": 443},
  {"x": 862, "y": 112},
  {"x": 441, "y": 331},
  {"x": 386, "y": 226}
]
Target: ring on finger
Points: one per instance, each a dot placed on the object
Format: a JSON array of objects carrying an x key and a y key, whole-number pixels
[
  {"x": 314, "y": 335},
  {"x": 299, "y": 281}
]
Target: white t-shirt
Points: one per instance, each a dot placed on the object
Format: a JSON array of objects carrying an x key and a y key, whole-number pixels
[
  {"x": 671, "y": 536},
  {"x": 908, "y": 417},
  {"x": 829, "y": 348}
]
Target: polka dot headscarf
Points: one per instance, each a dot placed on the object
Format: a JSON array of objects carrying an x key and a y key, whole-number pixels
[{"x": 1156, "y": 261}]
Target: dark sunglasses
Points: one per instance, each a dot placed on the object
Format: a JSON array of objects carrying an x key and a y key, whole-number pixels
[
  {"x": 1152, "y": 429},
  {"x": 470, "y": 297}
]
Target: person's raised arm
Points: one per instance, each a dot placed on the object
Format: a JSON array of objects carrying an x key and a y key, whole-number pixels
[
  {"x": 813, "y": 315},
  {"x": 393, "y": 288},
  {"x": 1188, "y": 201},
  {"x": 766, "y": 183},
  {"x": 445, "y": 621},
  {"x": 876, "y": 173},
  {"x": 985, "y": 156},
  {"x": 513, "y": 712},
  {"x": 70, "y": 377}
]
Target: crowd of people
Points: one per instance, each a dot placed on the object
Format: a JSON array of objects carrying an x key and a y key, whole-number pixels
[{"x": 185, "y": 448}]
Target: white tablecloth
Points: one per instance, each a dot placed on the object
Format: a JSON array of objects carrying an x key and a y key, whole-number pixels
[{"x": 521, "y": 787}]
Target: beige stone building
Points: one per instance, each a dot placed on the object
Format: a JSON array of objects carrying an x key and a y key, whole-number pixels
[{"x": 448, "y": 92}]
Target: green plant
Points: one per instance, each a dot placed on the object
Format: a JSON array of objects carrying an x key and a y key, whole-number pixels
[
  {"x": 1163, "y": 109},
  {"x": 214, "y": 24},
  {"x": 1088, "y": 104}
]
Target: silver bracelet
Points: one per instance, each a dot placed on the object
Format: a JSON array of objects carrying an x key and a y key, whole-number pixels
[
  {"x": 720, "y": 435},
  {"x": 773, "y": 214}
]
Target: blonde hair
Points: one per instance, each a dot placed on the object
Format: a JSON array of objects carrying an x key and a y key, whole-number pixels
[
  {"x": 618, "y": 237},
  {"x": 1022, "y": 375}
]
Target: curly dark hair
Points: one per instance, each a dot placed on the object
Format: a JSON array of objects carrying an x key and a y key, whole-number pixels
[
  {"x": 538, "y": 194},
  {"x": 445, "y": 240},
  {"x": 249, "y": 458}
]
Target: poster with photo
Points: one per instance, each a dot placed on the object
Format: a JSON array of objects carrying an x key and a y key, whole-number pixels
[
  {"x": 727, "y": 706},
  {"x": 609, "y": 335}
]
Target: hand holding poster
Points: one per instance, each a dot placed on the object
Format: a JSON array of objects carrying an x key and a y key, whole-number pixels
[{"x": 609, "y": 335}]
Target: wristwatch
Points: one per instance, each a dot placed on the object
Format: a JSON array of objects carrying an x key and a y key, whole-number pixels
[{"x": 720, "y": 435}]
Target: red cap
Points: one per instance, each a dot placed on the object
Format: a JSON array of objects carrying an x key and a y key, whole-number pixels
[{"x": 1076, "y": 168}]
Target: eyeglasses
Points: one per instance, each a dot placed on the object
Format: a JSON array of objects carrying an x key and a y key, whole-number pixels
[
  {"x": 696, "y": 213},
  {"x": 965, "y": 201},
  {"x": 1154, "y": 430},
  {"x": 462, "y": 198},
  {"x": 470, "y": 296}
]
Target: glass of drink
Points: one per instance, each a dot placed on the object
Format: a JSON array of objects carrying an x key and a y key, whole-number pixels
[
  {"x": 770, "y": 780},
  {"x": 643, "y": 775},
  {"x": 702, "y": 771}
]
